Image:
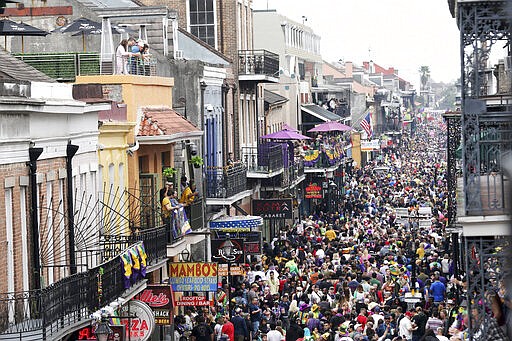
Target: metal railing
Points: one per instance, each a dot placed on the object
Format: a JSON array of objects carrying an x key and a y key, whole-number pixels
[
  {"x": 66, "y": 66},
  {"x": 258, "y": 62},
  {"x": 225, "y": 182},
  {"x": 196, "y": 215},
  {"x": 50, "y": 310},
  {"x": 264, "y": 158}
]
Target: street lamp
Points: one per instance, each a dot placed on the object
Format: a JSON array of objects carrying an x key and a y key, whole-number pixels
[
  {"x": 185, "y": 255},
  {"x": 103, "y": 330},
  {"x": 227, "y": 250}
]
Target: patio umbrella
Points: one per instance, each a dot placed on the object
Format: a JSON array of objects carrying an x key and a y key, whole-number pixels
[
  {"x": 330, "y": 126},
  {"x": 285, "y": 135},
  {"x": 11, "y": 28},
  {"x": 288, "y": 127},
  {"x": 84, "y": 27}
]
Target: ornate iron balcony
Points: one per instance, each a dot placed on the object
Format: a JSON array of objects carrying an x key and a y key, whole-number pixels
[
  {"x": 258, "y": 62},
  {"x": 225, "y": 182},
  {"x": 266, "y": 158}
]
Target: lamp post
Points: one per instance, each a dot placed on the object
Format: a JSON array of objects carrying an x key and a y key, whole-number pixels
[
  {"x": 227, "y": 250},
  {"x": 103, "y": 330}
]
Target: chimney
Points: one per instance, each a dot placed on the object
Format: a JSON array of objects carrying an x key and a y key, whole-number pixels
[
  {"x": 349, "y": 67},
  {"x": 372, "y": 67}
]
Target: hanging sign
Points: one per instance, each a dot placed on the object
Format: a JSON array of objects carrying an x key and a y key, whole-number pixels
[
  {"x": 272, "y": 208},
  {"x": 141, "y": 326},
  {"x": 313, "y": 191},
  {"x": 193, "y": 277},
  {"x": 201, "y": 301},
  {"x": 158, "y": 298},
  {"x": 228, "y": 250}
]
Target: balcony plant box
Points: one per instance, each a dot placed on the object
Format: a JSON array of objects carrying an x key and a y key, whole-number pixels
[
  {"x": 170, "y": 174},
  {"x": 196, "y": 161}
]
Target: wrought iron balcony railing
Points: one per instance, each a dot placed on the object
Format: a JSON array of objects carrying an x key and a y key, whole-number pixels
[
  {"x": 225, "y": 182},
  {"x": 66, "y": 66},
  {"x": 265, "y": 158},
  {"x": 291, "y": 173},
  {"x": 196, "y": 215},
  {"x": 258, "y": 62},
  {"x": 46, "y": 312}
]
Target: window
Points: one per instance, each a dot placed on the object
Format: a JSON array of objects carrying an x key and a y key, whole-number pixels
[{"x": 202, "y": 20}]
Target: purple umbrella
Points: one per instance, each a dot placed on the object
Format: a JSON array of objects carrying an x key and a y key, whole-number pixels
[
  {"x": 288, "y": 127},
  {"x": 286, "y": 135},
  {"x": 330, "y": 126}
]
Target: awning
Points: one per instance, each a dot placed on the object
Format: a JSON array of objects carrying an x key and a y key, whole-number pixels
[
  {"x": 274, "y": 99},
  {"x": 320, "y": 113}
]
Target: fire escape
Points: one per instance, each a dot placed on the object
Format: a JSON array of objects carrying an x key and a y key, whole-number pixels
[{"x": 481, "y": 206}]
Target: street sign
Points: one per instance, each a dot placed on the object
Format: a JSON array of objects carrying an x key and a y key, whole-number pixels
[
  {"x": 272, "y": 208},
  {"x": 234, "y": 270}
]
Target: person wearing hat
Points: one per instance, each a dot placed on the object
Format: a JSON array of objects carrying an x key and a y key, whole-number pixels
[
  {"x": 241, "y": 331},
  {"x": 406, "y": 327}
]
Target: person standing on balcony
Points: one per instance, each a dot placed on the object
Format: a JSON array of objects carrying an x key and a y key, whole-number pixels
[
  {"x": 169, "y": 203},
  {"x": 188, "y": 196},
  {"x": 122, "y": 55}
]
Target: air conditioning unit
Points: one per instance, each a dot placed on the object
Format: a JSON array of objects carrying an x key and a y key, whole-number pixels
[{"x": 178, "y": 54}]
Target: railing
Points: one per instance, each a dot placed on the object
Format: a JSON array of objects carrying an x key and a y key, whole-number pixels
[
  {"x": 50, "y": 310},
  {"x": 289, "y": 175},
  {"x": 155, "y": 243},
  {"x": 225, "y": 182},
  {"x": 66, "y": 66},
  {"x": 265, "y": 158},
  {"x": 324, "y": 156},
  {"x": 258, "y": 62},
  {"x": 379, "y": 129},
  {"x": 196, "y": 215}
]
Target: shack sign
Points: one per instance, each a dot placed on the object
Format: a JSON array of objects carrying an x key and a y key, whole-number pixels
[
  {"x": 158, "y": 298},
  {"x": 272, "y": 208},
  {"x": 193, "y": 277},
  {"x": 313, "y": 191}
]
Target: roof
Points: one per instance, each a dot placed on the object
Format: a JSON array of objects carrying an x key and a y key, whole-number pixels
[
  {"x": 205, "y": 45},
  {"x": 166, "y": 123},
  {"x": 320, "y": 113},
  {"x": 272, "y": 98},
  {"x": 108, "y": 3},
  {"x": 13, "y": 68}
]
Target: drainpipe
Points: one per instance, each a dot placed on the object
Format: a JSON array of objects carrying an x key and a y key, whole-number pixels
[
  {"x": 71, "y": 150},
  {"x": 236, "y": 132},
  {"x": 34, "y": 154}
]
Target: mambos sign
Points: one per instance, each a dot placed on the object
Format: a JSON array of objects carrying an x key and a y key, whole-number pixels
[{"x": 193, "y": 276}]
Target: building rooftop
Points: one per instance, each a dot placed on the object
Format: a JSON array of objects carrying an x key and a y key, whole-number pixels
[
  {"x": 12, "y": 68},
  {"x": 164, "y": 121}
]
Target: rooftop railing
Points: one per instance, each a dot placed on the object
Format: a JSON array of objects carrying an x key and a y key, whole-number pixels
[{"x": 66, "y": 66}]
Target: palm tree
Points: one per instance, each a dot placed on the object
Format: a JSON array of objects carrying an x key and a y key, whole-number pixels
[{"x": 425, "y": 75}]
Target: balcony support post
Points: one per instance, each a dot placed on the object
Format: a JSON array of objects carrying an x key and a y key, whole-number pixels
[
  {"x": 71, "y": 150},
  {"x": 34, "y": 154}
]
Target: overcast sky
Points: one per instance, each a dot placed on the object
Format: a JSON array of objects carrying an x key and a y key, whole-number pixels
[{"x": 404, "y": 34}]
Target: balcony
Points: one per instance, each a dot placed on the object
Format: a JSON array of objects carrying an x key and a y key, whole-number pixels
[
  {"x": 324, "y": 157},
  {"x": 258, "y": 65},
  {"x": 66, "y": 305},
  {"x": 264, "y": 161},
  {"x": 226, "y": 185},
  {"x": 289, "y": 178},
  {"x": 67, "y": 66}
]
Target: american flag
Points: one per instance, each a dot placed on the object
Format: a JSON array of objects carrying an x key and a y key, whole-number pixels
[{"x": 366, "y": 124}]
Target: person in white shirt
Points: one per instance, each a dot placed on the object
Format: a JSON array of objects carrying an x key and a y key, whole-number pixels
[
  {"x": 405, "y": 327},
  {"x": 440, "y": 336},
  {"x": 273, "y": 334}
]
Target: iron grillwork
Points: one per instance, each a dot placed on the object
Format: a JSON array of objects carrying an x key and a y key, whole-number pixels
[
  {"x": 453, "y": 137},
  {"x": 225, "y": 182},
  {"x": 265, "y": 158},
  {"x": 258, "y": 62}
]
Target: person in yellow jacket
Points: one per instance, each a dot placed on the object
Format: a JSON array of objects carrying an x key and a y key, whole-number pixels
[{"x": 330, "y": 234}]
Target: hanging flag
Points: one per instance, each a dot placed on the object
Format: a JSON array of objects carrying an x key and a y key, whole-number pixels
[{"x": 366, "y": 124}]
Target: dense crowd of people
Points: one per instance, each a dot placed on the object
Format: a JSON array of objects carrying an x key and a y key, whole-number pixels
[{"x": 364, "y": 272}]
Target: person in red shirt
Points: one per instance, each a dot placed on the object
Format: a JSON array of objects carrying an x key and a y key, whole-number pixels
[
  {"x": 361, "y": 318},
  {"x": 228, "y": 328}
]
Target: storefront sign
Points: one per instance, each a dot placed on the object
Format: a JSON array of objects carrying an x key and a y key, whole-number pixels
[
  {"x": 158, "y": 297},
  {"x": 201, "y": 301},
  {"x": 233, "y": 270},
  {"x": 369, "y": 146},
  {"x": 193, "y": 277},
  {"x": 272, "y": 208},
  {"x": 313, "y": 191},
  {"x": 87, "y": 334},
  {"x": 228, "y": 250},
  {"x": 140, "y": 327}
]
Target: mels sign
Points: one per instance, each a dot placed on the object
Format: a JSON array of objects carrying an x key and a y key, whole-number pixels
[{"x": 272, "y": 208}]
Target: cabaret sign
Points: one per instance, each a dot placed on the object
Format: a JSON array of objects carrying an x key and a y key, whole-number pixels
[
  {"x": 272, "y": 208},
  {"x": 313, "y": 191},
  {"x": 193, "y": 277}
]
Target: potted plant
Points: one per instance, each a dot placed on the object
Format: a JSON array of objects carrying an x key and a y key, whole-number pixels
[
  {"x": 169, "y": 173},
  {"x": 196, "y": 161}
]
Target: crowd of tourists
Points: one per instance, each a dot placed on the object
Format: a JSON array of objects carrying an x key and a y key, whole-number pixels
[{"x": 362, "y": 271}]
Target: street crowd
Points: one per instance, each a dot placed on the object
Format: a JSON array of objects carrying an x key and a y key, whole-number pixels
[{"x": 360, "y": 271}]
